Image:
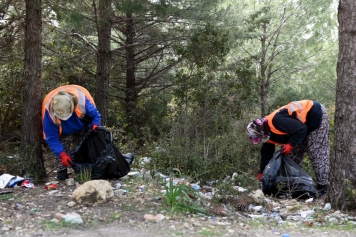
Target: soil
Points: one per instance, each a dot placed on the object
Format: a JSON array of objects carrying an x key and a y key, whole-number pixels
[{"x": 31, "y": 212}]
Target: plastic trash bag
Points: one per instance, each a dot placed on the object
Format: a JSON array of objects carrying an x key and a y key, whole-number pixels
[
  {"x": 96, "y": 152},
  {"x": 282, "y": 176}
]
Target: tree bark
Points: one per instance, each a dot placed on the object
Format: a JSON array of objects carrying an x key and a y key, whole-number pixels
[
  {"x": 130, "y": 96},
  {"x": 103, "y": 58},
  {"x": 31, "y": 113},
  {"x": 343, "y": 162}
]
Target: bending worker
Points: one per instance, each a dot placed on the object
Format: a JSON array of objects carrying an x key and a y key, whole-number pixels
[
  {"x": 300, "y": 126},
  {"x": 67, "y": 113}
]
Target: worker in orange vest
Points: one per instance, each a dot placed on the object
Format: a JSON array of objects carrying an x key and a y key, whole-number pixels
[
  {"x": 67, "y": 113},
  {"x": 299, "y": 127}
]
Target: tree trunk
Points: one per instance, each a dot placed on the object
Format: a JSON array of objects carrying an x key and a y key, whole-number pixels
[
  {"x": 31, "y": 113},
  {"x": 343, "y": 162},
  {"x": 130, "y": 97},
  {"x": 103, "y": 58}
]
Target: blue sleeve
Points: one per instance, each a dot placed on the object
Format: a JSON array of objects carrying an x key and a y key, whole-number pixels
[
  {"x": 92, "y": 112},
  {"x": 52, "y": 135}
]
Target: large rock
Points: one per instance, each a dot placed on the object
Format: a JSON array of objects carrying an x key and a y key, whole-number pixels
[
  {"x": 257, "y": 196},
  {"x": 93, "y": 192}
]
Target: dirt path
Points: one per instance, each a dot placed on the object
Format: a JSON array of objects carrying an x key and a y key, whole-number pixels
[
  {"x": 30, "y": 212},
  {"x": 180, "y": 229}
]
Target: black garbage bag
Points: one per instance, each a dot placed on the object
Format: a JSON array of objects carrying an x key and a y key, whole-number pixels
[
  {"x": 282, "y": 176},
  {"x": 96, "y": 152}
]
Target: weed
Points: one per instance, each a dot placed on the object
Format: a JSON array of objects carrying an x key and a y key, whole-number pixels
[
  {"x": 210, "y": 233},
  {"x": 350, "y": 194},
  {"x": 116, "y": 215},
  {"x": 296, "y": 208},
  {"x": 51, "y": 225},
  {"x": 84, "y": 175},
  {"x": 180, "y": 233},
  {"x": 182, "y": 197},
  {"x": 6, "y": 196}
]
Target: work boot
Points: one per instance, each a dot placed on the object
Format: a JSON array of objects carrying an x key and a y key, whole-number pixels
[
  {"x": 62, "y": 174},
  {"x": 129, "y": 157}
]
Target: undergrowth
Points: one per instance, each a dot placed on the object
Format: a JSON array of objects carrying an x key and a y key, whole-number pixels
[{"x": 182, "y": 197}]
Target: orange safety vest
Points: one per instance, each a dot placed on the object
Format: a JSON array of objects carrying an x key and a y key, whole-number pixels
[
  {"x": 78, "y": 91},
  {"x": 300, "y": 108}
]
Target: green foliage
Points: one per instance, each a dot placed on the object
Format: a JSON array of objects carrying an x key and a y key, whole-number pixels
[
  {"x": 115, "y": 216},
  {"x": 10, "y": 100},
  {"x": 220, "y": 155},
  {"x": 6, "y": 196},
  {"x": 51, "y": 225},
  {"x": 12, "y": 162},
  {"x": 193, "y": 116},
  {"x": 224, "y": 191},
  {"x": 246, "y": 82},
  {"x": 350, "y": 194},
  {"x": 208, "y": 46},
  {"x": 84, "y": 175},
  {"x": 182, "y": 197}
]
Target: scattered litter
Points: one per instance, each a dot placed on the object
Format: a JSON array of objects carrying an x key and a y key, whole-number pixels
[
  {"x": 162, "y": 176},
  {"x": 240, "y": 189},
  {"x": 71, "y": 217},
  {"x": 177, "y": 181},
  {"x": 118, "y": 185},
  {"x": 51, "y": 187},
  {"x": 8, "y": 180},
  {"x": 133, "y": 173},
  {"x": 305, "y": 214},
  {"x": 145, "y": 160},
  {"x": 327, "y": 207},
  {"x": 27, "y": 184},
  {"x": 309, "y": 223},
  {"x": 5, "y": 179},
  {"x": 309, "y": 200},
  {"x": 156, "y": 218},
  {"x": 15, "y": 180},
  {"x": 69, "y": 181},
  {"x": 195, "y": 186},
  {"x": 120, "y": 192}
]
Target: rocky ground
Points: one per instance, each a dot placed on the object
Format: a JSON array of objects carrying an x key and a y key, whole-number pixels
[{"x": 32, "y": 212}]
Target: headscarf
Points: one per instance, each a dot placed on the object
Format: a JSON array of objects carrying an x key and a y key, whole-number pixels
[{"x": 258, "y": 131}]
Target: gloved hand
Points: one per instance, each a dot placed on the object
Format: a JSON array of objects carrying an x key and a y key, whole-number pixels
[
  {"x": 259, "y": 176},
  {"x": 94, "y": 126},
  {"x": 66, "y": 160},
  {"x": 287, "y": 148}
]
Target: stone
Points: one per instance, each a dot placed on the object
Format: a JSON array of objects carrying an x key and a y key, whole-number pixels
[
  {"x": 257, "y": 196},
  {"x": 71, "y": 204},
  {"x": 93, "y": 192}
]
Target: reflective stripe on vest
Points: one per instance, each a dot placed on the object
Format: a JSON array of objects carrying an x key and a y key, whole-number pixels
[
  {"x": 301, "y": 109},
  {"x": 78, "y": 91}
]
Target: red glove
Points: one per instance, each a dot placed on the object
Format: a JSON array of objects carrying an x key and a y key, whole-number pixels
[
  {"x": 287, "y": 148},
  {"x": 259, "y": 176},
  {"x": 94, "y": 126},
  {"x": 66, "y": 160}
]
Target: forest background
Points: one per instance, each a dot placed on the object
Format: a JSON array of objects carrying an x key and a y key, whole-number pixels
[{"x": 176, "y": 81}]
